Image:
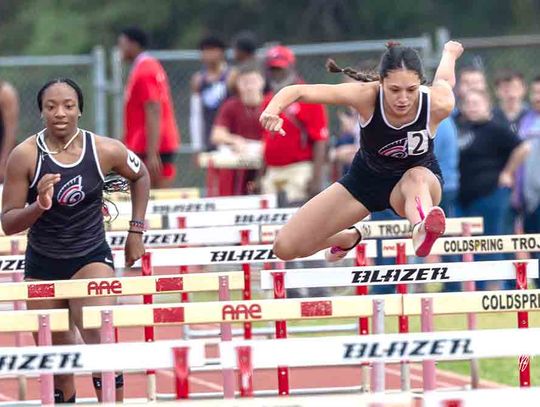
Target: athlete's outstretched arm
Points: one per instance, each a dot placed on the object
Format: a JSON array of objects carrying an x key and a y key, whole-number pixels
[
  {"x": 114, "y": 156},
  {"x": 357, "y": 95},
  {"x": 446, "y": 72},
  {"x": 16, "y": 215},
  {"x": 442, "y": 95}
]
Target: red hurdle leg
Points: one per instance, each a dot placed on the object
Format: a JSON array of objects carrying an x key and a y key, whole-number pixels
[
  {"x": 184, "y": 297},
  {"x": 149, "y": 330},
  {"x": 181, "y": 372},
  {"x": 246, "y": 292},
  {"x": 523, "y": 323},
  {"x": 245, "y": 373},
  {"x": 46, "y": 387},
  {"x": 363, "y": 322},
  {"x": 403, "y": 321},
  {"x": 281, "y": 332}
]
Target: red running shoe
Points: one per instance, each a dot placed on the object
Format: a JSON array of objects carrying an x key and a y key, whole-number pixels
[{"x": 428, "y": 231}]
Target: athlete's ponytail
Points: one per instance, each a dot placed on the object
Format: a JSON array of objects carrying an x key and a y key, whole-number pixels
[
  {"x": 394, "y": 58},
  {"x": 361, "y": 76}
]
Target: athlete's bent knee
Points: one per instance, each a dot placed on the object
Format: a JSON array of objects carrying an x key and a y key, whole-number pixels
[
  {"x": 416, "y": 176},
  {"x": 284, "y": 250}
]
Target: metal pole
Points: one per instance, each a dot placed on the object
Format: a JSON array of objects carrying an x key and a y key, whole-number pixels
[
  {"x": 226, "y": 335},
  {"x": 100, "y": 91},
  {"x": 471, "y": 317},
  {"x": 108, "y": 394},
  {"x": 117, "y": 93},
  {"x": 46, "y": 379},
  {"x": 428, "y": 366},
  {"x": 377, "y": 371}
]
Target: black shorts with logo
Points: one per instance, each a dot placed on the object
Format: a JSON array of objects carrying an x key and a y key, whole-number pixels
[
  {"x": 40, "y": 267},
  {"x": 373, "y": 189}
]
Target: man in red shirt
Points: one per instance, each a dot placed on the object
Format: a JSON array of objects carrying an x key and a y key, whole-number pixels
[
  {"x": 294, "y": 162},
  {"x": 237, "y": 125},
  {"x": 150, "y": 128}
]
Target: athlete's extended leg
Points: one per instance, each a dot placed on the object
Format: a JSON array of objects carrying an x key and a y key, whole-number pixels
[
  {"x": 92, "y": 336},
  {"x": 413, "y": 197},
  {"x": 321, "y": 223}
]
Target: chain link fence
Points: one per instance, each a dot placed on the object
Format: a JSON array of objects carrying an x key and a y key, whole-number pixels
[{"x": 29, "y": 73}]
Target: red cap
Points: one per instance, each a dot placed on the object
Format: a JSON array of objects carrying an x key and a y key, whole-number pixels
[{"x": 280, "y": 57}]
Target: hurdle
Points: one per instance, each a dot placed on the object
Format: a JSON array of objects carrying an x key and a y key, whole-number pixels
[
  {"x": 315, "y": 308},
  {"x": 383, "y": 275},
  {"x": 69, "y": 359},
  {"x": 160, "y": 194},
  {"x": 394, "y": 228},
  {"x": 44, "y": 322},
  {"x": 246, "y": 356},
  {"x": 105, "y": 287},
  {"x": 479, "y": 245},
  {"x": 204, "y": 204}
]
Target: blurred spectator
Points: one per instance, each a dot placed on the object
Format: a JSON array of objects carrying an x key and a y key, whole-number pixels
[
  {"x": 244, "y": 52},
  {"x": 347, "y": 142},
  {"x": 244, "y": 47},
  {"x": 209, "y": 89},
  {"x": 447, "y": 153},
  {"x": 527, "y": 185},
  {"x": 281, "y": 70},
  {"x": 469, "y": 78},
  {"x": 510, "y": 89},
  {"x": 294, "y": 162},
  {"x": 237, "y": 125},
  {"x": 150, "y": 128},
  {"x": 485, "y": 148},
  {"x": 9, "y": 121}
]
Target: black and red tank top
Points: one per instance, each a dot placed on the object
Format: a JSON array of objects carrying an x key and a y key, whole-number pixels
[
  {"x": 73, "y": 227},
  {"x": 391, "y": 150}
]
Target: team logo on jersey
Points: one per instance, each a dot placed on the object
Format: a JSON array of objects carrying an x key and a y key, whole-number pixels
[
  {"x": 396, "y": 149},
  {"x": 71, "y": 193}
]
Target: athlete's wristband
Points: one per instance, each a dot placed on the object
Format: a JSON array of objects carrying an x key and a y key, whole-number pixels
[
  {"x": 43, "y": 207},
  {"x": 137, "y": 223},
  {"x": 139, "y": 232}
]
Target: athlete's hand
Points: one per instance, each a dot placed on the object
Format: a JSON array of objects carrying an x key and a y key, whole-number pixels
[
  {"x": 45, "y": 188},
  {"x": 134, "y": 248},
  {"x": 272, "y": 122},
  {"x": 455, "y": 48},
  {"x": 154, "y": 165}
]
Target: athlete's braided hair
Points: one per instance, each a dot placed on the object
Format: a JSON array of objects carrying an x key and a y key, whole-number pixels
[
  {"x": 113, "y": 183},
  {"x": 395, "y": 57}
]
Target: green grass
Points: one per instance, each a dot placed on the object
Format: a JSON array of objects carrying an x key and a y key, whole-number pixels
[{"x": 499, "y": 370}]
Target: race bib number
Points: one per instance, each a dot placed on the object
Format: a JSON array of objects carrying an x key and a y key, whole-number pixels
[
  {"x": 133, "y": 162},
  {"x": 417, "y": 142}
]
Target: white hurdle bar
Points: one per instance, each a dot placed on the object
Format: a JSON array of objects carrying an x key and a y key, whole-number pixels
[
  {"x": 105, "y": 287},
  {"x": 396, "y": 274},
  {"x": 50, "y": 360},
  {"x": 196, "y": 256},
  {"x": 473, "y": 245},
  {"x": 394, "y": 228},
  {"x": 392, "y": 348},
  {"x": 228, "y": 203},
  {"x": 227, "y": 235}
]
